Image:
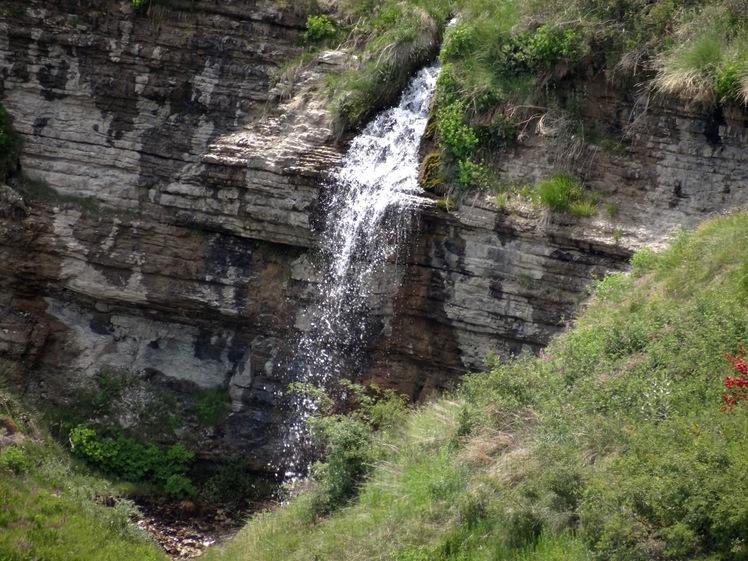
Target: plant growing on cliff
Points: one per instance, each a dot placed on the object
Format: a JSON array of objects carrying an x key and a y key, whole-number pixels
[
  {"x": 392, "y": 40},
  {"x": 211, "y": 405},
  {"x": 319, "y": 28},
  {"x": 564, "y": 193}
]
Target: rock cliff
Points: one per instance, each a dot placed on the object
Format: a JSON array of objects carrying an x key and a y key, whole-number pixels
[{"x": 177, "y": 254}]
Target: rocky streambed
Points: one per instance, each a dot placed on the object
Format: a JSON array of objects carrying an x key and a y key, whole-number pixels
[{"x": 185, "y": 529}]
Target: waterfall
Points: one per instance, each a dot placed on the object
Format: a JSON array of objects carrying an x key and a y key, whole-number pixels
[{"x": 368, "y": 213}]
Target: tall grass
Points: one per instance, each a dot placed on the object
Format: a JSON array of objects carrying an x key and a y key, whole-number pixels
[
  {"x": 611, "y": 445},
  {"x": 691, "y": 69}
]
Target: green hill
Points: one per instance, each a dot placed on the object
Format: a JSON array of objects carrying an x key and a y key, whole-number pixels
[
  {"x": 611, "y": 445},
  {"x": 48, "y": 501}
]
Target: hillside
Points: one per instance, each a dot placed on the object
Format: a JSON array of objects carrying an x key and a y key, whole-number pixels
[
  {"x": 53, "y": 507},
  {"x": 610, "y": 445}
]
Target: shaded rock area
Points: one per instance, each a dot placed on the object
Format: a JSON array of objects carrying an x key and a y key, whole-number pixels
[{"x": 178, "y": 254}]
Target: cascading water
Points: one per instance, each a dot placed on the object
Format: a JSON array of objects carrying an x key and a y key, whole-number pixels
[{"x": 367, "y": 219}]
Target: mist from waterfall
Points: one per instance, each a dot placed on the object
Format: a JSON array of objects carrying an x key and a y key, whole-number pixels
[{"x": 367, "y": 218}]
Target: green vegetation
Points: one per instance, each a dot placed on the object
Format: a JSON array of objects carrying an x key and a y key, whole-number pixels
[
  {"x": 211, "y": 405},
  {"x": 564, "y": 193},
  {"x": 118, "y": 391},
  {"x": 134, "y": 461},
  {"x": 390, "y": 40},
  {"x": 233, "y": 487},
  {"x": 611, "y": 445},
  {"x": 507, "y": 64},
  {"x": 319, "y": 28},
  {"x": 446, "y": 204},
  {"x": 47, "y": 503},
  {"x": 342, "y": 428}
]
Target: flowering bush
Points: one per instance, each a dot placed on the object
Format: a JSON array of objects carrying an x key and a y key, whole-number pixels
[{"x": 738, "y": 384}]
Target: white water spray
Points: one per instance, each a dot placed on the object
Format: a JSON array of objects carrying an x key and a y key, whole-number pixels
[{"x": 367, "y": 219}]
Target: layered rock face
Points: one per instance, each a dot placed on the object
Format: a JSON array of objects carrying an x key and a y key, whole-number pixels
[
  {"x": 194, "y": 269},
  {"x": 184, "y": 188}
]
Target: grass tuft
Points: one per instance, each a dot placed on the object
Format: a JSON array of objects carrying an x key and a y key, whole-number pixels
[
  {"x": 690, "y": 71},
  {"x": 564, "y": 193}
]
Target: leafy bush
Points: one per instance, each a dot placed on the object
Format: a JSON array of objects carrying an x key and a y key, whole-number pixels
[
  {"x": 135, "y": 461},
  {"x": 343, "y": 429},
  {"x": 457, "y": 139},
  {"x": 14, "y": 460},
  {"x": 233, "y": 486},
  {"x": 551, "y": 44},
  {"x": 319, "y": 28},
  {"x": 473, "y": 175}
]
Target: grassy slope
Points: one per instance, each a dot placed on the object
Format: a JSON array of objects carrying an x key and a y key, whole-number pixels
[
  {"x": 47, "y": 507},
  {"x": 612, "y": 445}
]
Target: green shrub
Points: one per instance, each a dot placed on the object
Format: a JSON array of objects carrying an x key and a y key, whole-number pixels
[
  {"x": 643, "y": 260},
  {"x": 234, "y": 487},
  {"x": 346, "y": 438},
  {"x": 135, "y": 461},
  {"x": 14, "y": 460},
  {"x": 472, "y": 175},
  {"x": 180, "y": 486},
  {"x": 551, "y": 44},
  {"x": 457, "y": 139},
  {"x": 319, "y": 28}
]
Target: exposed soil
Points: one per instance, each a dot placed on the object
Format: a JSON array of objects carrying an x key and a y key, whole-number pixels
[{"x": 186, "y": 529}]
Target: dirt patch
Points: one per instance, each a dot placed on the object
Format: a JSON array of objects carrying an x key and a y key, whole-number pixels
[{"x": 185, "y": 529}]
